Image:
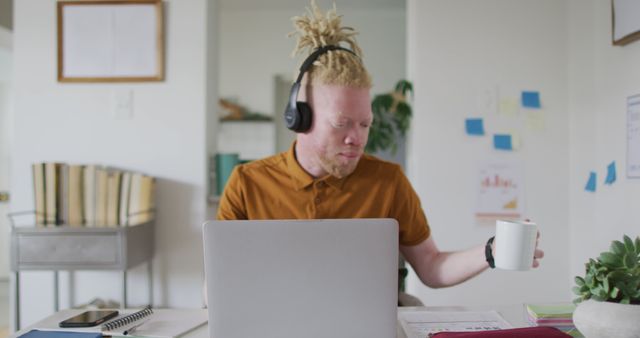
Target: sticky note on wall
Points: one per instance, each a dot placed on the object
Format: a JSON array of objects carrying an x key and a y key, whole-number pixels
[
  {"x": 531, "y": 99},
  {"x": 611, "y": 173},
  {"x": 591, "y": 182},
  {"x": 474, "y": 126},
  {"x": 509, "y": 107},
  {"x": 502, "y": 142}
]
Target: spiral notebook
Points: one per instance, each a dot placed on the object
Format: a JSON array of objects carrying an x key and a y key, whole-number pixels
[
  {"x": 156, "y": 323},
  {"x": 125, "y": 325}
]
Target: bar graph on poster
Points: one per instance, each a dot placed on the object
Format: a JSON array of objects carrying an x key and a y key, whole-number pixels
[{"x": 500, "y": 191}]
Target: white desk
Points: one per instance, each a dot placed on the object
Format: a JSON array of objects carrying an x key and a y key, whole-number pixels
[
  {"x": 53, "y": 320},
  {"x": 514, "y": 314}
]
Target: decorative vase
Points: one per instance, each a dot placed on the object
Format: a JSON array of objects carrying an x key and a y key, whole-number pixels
[{"x": 605, "y": 319}]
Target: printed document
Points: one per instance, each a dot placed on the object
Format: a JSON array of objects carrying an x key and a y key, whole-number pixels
[{"x": 421, "y": 323}]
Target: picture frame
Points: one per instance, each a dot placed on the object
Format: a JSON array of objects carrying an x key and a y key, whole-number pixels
[
  {"x": 110, "y": 41},
  {"x": 625, "y": 21}
]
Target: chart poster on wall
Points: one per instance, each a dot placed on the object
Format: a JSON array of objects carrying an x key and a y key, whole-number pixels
[
  {"x": 633, "y": 136},
  {"x": 500, "y": 191}
]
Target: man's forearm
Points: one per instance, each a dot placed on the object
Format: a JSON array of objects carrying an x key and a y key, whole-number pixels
[
  {"x": 439, "y": 269},
  {"x": 452, "y": 268}
]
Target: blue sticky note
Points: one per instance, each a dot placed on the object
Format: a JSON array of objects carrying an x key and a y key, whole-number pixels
[
  {"x": 611, "y": 173},
  {"x": 591, "y": 183},
  {"x": 502, "y": 142},
  {"x": 531, "y": 99},
  {"x": 474, "y": 126}
]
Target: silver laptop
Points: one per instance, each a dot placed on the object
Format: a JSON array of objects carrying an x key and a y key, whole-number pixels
[{"x": 302, "y": 278}]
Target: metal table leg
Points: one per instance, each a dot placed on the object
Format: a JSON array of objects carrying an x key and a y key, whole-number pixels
[
  {"x": 17, "y": 300},
  {"x": 72, "y": 288},
  {"x": 56, "y": 290},
  {"x": 150, "y": 271},
  {"x": 123, "y": 305}
]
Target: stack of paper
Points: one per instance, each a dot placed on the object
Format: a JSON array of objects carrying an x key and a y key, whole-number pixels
[
  {"x": 556, "y": 315},
  {"x": 422, "y": 323}
]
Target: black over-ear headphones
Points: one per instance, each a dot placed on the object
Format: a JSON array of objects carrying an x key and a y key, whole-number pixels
[{"x": 298, "y": 115}]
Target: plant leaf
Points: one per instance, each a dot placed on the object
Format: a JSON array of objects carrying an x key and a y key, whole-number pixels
[
  {"x": 610, "y": 259},
  {"x": 404, "y": 86},
  {"x": 589, "y": 280},
  {"x": 617, "y": 247},
  {"x": 614, "y": 293},
  {"x": 630, "y": 260},
  {"x": 579, "y": 281},
  {"x": 628, "y": 243}
]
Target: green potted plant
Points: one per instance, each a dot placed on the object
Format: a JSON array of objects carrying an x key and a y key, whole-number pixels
[
  {"x": 391, "y": 118},
  {"x": 609, "y": 293}
]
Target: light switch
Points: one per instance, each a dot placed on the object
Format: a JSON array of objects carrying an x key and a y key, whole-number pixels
[{"x": 123, "y": 104}]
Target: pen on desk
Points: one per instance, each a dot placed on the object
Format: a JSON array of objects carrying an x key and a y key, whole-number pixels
[
  {"x": 133, "y": 328},
  {"x": 129, "y": 330}
]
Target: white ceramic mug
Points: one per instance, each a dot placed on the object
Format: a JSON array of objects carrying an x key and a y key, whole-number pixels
[{"x": 515, "y": 244}]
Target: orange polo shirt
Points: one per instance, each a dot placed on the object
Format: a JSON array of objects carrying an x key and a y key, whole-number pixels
[{"x": 278, "y": 188}]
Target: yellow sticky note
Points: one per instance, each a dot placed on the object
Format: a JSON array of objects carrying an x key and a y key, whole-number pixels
[
  {"x": 509, "y": 107},
  {"x": 535, "y": 120}
]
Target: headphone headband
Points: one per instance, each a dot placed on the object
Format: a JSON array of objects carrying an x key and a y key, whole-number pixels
[{"x": 308, "y": 62}]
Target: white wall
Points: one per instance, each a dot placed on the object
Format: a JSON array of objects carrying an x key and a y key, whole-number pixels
[
  {"x": 254, "y": 48},
  {"x": 456, "y": 49},
  {"x": 165, "y": 138},
  {"x": 601, "y": 78}
]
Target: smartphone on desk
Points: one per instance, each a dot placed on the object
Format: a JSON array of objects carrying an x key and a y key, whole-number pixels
[{"x": 89, "y": 318}]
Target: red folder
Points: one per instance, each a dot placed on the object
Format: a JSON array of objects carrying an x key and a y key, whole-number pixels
[{"x": 525, "y": 332}]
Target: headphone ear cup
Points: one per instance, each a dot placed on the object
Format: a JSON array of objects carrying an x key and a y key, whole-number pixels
[
  {"x": 292, "y": 118},
  {"x": 306, "y": 116}
]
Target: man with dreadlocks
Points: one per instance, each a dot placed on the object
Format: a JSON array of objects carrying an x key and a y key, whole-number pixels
[{"x": 325, "y": 173}]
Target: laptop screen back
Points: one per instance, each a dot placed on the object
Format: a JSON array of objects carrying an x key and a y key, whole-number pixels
[{"x": 302, "y": 278}]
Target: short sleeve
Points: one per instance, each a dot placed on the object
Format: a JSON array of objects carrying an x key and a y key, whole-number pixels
[
  {"x": 232, "y": 203},
  {"x": 407, "y": 210}
]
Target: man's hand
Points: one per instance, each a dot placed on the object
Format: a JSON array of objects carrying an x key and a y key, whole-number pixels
[{"x": 537, "y": 254}]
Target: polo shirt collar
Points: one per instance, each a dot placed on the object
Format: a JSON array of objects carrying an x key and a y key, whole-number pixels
[{"x": 301, "y": 179}]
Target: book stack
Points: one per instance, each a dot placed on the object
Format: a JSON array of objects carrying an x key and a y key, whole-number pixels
[
  {"x": 91, "y": 195},
  {"x": 558, "y": 315}
]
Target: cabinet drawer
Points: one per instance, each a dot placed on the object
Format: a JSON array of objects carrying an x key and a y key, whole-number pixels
[{"x": 72, "y": 250}]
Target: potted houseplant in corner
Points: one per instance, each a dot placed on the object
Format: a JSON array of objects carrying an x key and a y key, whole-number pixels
[
  {"x": 609, "y": 293},
  {"x": 391, "y": 118}
]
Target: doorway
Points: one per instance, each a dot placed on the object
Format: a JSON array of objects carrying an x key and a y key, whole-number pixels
[{"x": 5, "y": 106}]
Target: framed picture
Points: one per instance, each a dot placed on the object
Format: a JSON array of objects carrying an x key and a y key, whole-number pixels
[
  {"x": 625, "y": 21},
  {"x": 110, "y": 41}
]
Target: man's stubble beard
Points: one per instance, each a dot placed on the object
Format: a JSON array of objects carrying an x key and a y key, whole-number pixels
[{"x": 335, "y": 168}]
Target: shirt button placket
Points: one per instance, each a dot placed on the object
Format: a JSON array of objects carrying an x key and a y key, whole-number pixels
[{"x": 318, "y": 191}]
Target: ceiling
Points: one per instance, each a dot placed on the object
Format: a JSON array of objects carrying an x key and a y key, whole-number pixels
[{"x": 301, "y": 4}]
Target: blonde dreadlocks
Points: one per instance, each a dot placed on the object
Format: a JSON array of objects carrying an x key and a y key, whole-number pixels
[{"x": 316, "y": 29}]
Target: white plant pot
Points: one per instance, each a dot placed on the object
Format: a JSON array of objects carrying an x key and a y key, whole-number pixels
[{"x": 607, "y": 320}]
